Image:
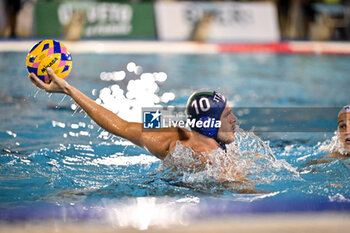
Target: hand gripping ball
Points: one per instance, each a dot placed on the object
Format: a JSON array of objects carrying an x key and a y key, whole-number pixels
[{"x": 49, "y": 53}]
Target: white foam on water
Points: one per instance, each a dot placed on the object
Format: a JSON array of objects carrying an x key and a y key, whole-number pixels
[
  {"x": 119, "y": 160},
  {"x": 254, "y": 197},
  {"x": 338, "y": 198},
  {"x": 334, "y": 145}
]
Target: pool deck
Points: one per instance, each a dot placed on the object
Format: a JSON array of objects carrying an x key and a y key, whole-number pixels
[
  {"x": 144, "y": 47},
  {"x": 270, "y": 223}
]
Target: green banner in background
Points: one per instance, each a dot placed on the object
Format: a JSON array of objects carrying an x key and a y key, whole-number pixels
[
  {"x": 74, "y": 20},
  {"x": 46, "y": 23}
]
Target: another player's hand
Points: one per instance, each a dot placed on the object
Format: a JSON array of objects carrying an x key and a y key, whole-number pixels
[{"x": 57, "y": 84}]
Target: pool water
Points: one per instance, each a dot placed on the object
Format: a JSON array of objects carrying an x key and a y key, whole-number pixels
[{"x": 57, "y": 163}]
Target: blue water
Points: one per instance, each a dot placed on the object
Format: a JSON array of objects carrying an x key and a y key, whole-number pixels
[{"x": 55, "y": 162}]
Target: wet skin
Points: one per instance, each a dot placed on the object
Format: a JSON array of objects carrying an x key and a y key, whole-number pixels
[{"x": 344, "y": 129}]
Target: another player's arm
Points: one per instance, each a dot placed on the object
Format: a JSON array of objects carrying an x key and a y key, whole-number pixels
[{"x": 157, "y": 143}]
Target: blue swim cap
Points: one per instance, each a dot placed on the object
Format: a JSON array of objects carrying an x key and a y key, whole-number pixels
[{"x": 205, "y": 105}]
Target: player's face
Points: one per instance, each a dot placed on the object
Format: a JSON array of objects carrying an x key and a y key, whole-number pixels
[
  {"x": 344, "y": 129},
  {"x": 226, "y": 133}
]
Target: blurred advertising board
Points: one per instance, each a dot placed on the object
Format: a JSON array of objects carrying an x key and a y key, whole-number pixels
[
  {"x": 217, "y": 21},
  {"x": 75, "y": 20}
]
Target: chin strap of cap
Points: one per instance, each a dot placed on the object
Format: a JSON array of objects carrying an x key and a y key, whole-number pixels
[{"x": 222, "y": 145}]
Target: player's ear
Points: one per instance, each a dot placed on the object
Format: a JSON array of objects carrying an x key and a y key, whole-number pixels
[{"x": 184, "y": 134}]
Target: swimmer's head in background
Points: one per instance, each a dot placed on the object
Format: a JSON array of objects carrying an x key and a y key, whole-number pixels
[
  {"x": 343, "y": 143},
  {"x": 206, "y": 105},
  {"x": 345, "y": 109}
]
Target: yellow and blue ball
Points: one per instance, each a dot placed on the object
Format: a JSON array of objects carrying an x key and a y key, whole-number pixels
[{"x": 49, "y": 53}]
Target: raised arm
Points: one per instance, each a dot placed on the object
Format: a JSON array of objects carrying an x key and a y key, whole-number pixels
[{"x": 158, "y": 143}]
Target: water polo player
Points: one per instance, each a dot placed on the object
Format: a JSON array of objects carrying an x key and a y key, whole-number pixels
[
  {"x": 344, "y": 127},
  {"x": 202, "y": 106},
  {"x": 210, "y": 106},
  {"x": 341, "y": 145}
]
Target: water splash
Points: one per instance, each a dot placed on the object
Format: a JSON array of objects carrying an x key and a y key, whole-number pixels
[
  {"x": 334, "y": 145},
  {"x": 246, "y": 140},
  {"x": 257, "y": 159},
  {"x": 61, "y": 101},
  {"x": 249, "y": 161},
  {"x": 338, "y": 198},
  {"x": 13, "y": 134},
  {"x": 36, "y": 93},
  {"x": 75, "y": 108}
]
